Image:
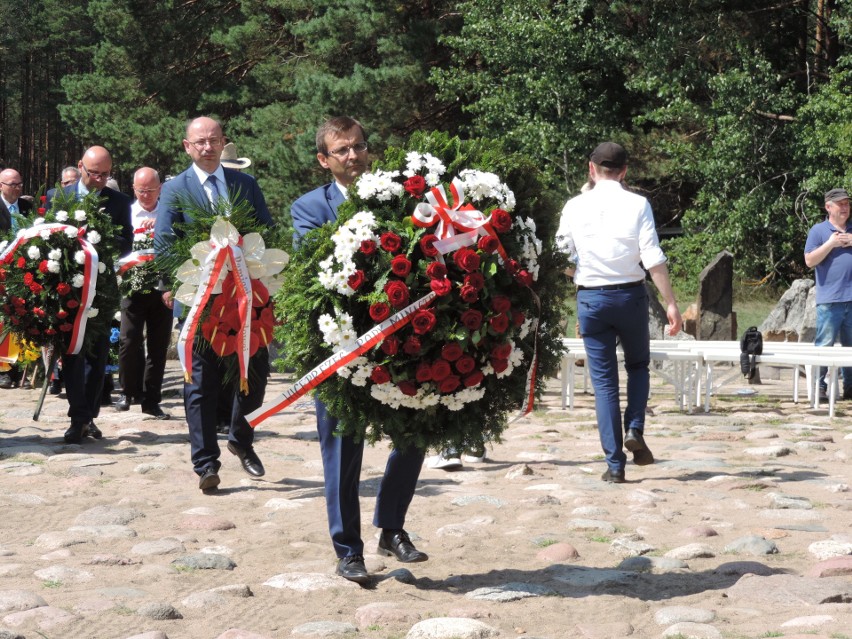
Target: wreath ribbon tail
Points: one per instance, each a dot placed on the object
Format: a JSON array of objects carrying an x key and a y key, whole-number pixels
[
  {"x": 90, "y": 284},
  {"x": 243, "y": 289}
]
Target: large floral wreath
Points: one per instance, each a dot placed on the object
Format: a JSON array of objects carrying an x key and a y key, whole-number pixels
[
  {"x": 58, "y": 287},
  {"x": 456, "y": 276}
]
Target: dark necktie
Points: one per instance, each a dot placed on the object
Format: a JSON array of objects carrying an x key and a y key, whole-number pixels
[{"x": 214, "y": 188}]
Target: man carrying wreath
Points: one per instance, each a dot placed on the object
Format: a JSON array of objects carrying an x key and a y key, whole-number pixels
[{"x": 342, "y": 149}]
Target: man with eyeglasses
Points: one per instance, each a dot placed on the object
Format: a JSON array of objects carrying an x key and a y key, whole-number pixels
[
  {"x": 11, "y": 202},
  {"x": 83, "y": 374},
  {"x": 206, "y": 183},
  {"x": 342, "y": 149},
  {"x": 146, "y": 318}
]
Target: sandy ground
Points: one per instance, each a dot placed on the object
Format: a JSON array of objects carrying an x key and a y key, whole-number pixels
[{"x": 103, "y": 540}]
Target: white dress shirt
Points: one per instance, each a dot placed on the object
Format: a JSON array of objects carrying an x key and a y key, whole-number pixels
[
  {"x": 220, "y": 176},
  {"x": 138, "y": 214},
  {"x": 607, "y": 232}
]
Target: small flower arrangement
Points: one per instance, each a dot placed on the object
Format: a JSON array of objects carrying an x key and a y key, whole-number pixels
[
  {"x": 57, "y": 284},
  {"x": 447, "y": 249},
  {"x": 136, "y": 271}
]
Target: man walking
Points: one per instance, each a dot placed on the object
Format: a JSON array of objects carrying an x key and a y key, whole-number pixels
[
  {"x": 342, "y": 149},
  {"x": 609, "y": 234}
]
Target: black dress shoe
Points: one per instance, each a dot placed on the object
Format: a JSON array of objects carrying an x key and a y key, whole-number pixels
[
  {"x": 614, "y": 476},
  {"x": 156, "y": 412},
  {"x": 55, "y": 387},
  {"x": 209, "y": 480},
  {"x": 75, "y": 434},
  {"x": 635, "y": 443},
  {"x": 123, "y": 403},
  {"x": 93, "y": 431},
  {"x": 5, "y": 381},
  {"x": 223, "y": 428},
  {"x": 398, "y": 544},
  {"x": 353, "y": 569},
  {"x": 249, "y": 459}
]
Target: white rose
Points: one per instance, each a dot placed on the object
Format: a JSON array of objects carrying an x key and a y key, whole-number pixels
[
  {"x": 77, "y": 281},
  {"x": 61, "y": 216},
  {"x": 93, "y": 236},
  {"x": 33, "y": 253},
  {"x": 79, "y": 215}
]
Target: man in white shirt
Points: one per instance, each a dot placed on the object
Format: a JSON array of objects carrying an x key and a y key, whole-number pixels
[
  {"x": 146, "y": 319},
  {"x": 609, "y": 234}
]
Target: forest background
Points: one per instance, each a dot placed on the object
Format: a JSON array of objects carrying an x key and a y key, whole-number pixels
[{"x": 737, "y": 113}]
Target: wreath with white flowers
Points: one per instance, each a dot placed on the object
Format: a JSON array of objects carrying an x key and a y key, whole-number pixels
[{"x": 446, "y": 269}]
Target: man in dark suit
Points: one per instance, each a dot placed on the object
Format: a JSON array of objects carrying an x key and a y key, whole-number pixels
[
  {"x": 10, "y": 198},
  {"x": 205, "y": 182},
  {"x": 342, "y": 149},
  {"x": 84, "y": 373}
]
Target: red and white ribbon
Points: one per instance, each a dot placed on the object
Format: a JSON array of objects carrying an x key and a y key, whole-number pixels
[
  {"x": 134, "y": 259},
  {"x": 337, "y": 361},
  {"x": 90, "y": 276}
]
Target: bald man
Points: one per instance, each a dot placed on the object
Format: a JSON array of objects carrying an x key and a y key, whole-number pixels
[
  {"x": 83, "y": 374},
  {"x": 11, "y": 201},
  {"x": 206, "y": 182},
  {"x": 146, "y": 319}
]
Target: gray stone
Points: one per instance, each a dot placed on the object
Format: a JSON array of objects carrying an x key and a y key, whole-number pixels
[
  {"x": 15, "y": 600},
  {"x": 628, "y": 547},
  {"x": 451, "y": 628},
  {"x": 467, "y": 500},
  {"x": 510, "y": 592},
  {"x": 591, "y": 524},
  {"x": 241, "y": 591},
  {"x": 166, "y": 546},
  {"x": 64, "y": 574},
  {"x": 205, "y": 561},
  {"x": 715, "y": 299},
  {"x": 384, "y": 613},
  {"x": 752, "y": 545},
  {"x": 324, "y": 629},
  {"x": 655, "y": 565},
  {"x": 777, "y": 500},
  {"x": 794, "y": 317},
  {"x": 154, "y": 634},
  {"x": 150, "y": 467},
  {"x": 676, "y": 614},
  {"x": 402, "y": 575},
  {"x": 691, "y": 551},
  {"x": 108, "y": 531},
  {"x": 689, "y": 630},
  {"x": 828, "y": 548},
  {"x": 768, "y": 451},
  {"x": 208, "y": 599},
  {"x": 812, "y": 621},
  {"x": 307, "y": 582},
  {"x": 45, "y": 617},
  {"x": 790, "y": 591},
  {"x": 159, "y": 611}
]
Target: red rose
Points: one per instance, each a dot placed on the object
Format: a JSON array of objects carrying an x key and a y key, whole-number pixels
[
  {"x": 390, "y": 241},
  {"x": 472, "y": 319},
  {"x": 42, "y": 210},
  {"x": 500, "y": 323},
  {"x": 499, "y": 365},
  {"x": 440, "y": 369},
  {"x": 465, "y": 364},
  {"x": 66, "y": 327},
  {"x": 501, "y": 351},
  {"x": 368, "y": 247},
  {"x": 43, "y": 199},
  {"x": 427, "y": 245},
  {"x": 18, "y": 301},
  {"x": 474, "y": 379},
  {"x": 411, "y": 346},
  {"x": 512, "y": 266},
  {"x": 72, "y": 303},
  {"x": 452, "y": 351},
  {"x": 28, "y": 278},
  {"x": 469, "y": 294},
  {"x": 15, "y": 321},
  {"x": 356, "y": 279},
  {"x": 524, "y": 278},
  {"x": 380, "y": 375},
  {"x": 500, "y": 303},
  {"x": 379, "y": 311},
  {"x": 423, "y": 321},
  {"x": 415, "y": 185},
  {"x": 436, "y": 271},
  {"x": 400, "y": 266},
  {"x": 488, "y": 243},
  {"x": 42, "y": 267},
  {"x": 397, "y": 293},
  {"x": 501, "y": 220},
  {"x": 466, "y": 259},
  {"x": 476, "y": 280},
  {"x": 407, "y": 388},
  {"x": 423, "y": 373},
  {"x": 441, "y": 287},
  {"x": 63, "y": 288},
  {"x": 450, "y": 384},
  {"x": 21, "y": 263},
  {"x": 518, "y": 318},
  {"x": 391, "y": 345},
  {"x": 36, "y": 288}
]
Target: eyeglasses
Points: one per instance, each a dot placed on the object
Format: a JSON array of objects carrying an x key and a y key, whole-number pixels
[
  {"x": 145, "y": 191},
  {"x": 14, "y": 185},
  {"x": 343, "y": 151},
  {"x": 97, "y": 175},
  {"x": 212, "y": 143}
]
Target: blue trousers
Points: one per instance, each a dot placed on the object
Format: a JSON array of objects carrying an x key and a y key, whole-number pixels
[
  {"x": 341, "y": 463},
  {"x": 834, "y": 323},
  {"x": 607, "y": 316}
]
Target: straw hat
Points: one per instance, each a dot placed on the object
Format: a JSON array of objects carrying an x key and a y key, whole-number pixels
[{"x": 230, "y": 160}]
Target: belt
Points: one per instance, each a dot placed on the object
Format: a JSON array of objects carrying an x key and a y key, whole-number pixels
[{"x": 611, "y": 287}]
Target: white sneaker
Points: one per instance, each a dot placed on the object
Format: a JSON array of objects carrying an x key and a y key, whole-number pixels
[
  {"x": 469, "y": 458},
  {"x": 442, "y": 462}
]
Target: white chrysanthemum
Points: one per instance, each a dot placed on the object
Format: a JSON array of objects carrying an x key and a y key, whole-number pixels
[
  {"x": 33, "y": 253},
  {"x": 326, "y": 323},
  {"x": 93, "y": 312},
  {"x": 80, "y": 257},
  {"x": 101, "y": 267},
  {"x": 344, "y": 321},
  {"x": 345, "y": 372},
  {"x": 326, "y": 263},
  {"x": 379, "y": 185},
  {"x": 525, "y": 328},
  {"x": 38, "y": 221},
  {"x": 362, "y": 218},
  {"x": 45, "y": 235},
  {"x": 71, "y": 231},
  {"x": 62, "y": 216},
  {"x": 53, "y": 265},
  {"x": 93, "y": 236},
  {"x": 117, "y": 316},
  {"x": 432, "y": 179},
  {"x": 77, "y": 280},
  {"x": 433, "y": 164},
  {"x": 54, "y": 254},
  {"x": 326, "y": 279},
  {"x": 79, "y": 215},
  {"x": 119, "y": 279}
]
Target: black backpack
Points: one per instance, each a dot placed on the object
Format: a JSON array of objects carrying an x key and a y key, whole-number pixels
[{"x": 751, "y": 345}]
